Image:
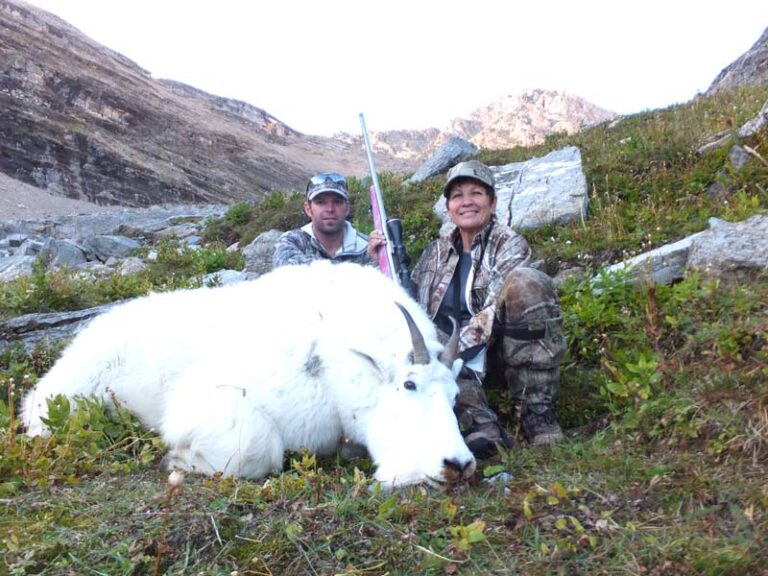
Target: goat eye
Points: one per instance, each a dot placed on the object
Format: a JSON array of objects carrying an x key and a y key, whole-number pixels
[{"x": 409, "y": 385}]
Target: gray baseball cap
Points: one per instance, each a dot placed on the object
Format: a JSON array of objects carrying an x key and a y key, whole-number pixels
[
  {"x": 327, "y": 182},
  {"x": 470, "y": 169}
]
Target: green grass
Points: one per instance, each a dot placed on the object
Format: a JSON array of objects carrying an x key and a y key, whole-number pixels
[{"x": 664, "y": 396}]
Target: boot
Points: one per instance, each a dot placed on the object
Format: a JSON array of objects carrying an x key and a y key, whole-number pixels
[
  {"x": 478, "y": 423},
  {"x": 484, "y": 440},
  {"x": 533, "y": 390},
  {"x": 539, "y": 425}
]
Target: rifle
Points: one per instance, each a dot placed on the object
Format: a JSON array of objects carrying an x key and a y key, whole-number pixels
[{"x": 393, "y": 259}]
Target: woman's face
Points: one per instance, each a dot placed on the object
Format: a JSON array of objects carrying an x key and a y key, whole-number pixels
[{"x": 470, "y": 206}]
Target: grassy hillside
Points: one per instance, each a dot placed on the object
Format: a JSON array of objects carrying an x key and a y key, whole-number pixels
[{"x": 664, "y": 395}]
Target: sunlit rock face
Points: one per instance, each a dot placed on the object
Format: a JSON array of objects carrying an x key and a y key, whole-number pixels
[
  {"x": 750, "y": 68},
  {"x": 85, "y": 122}
]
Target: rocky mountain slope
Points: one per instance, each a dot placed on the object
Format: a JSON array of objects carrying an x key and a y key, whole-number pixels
[
  {"x": 20, "y": 201},
  {"x": 83, "y": 121},
  {"x": 750, "y": 68}
]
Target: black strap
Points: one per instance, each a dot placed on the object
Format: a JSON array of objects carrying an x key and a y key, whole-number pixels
[
  {"x": 456, "y": 295},
  {"x": 471, "y": 352},
  {"x": 473, "y": 274},
  {"x": 520, "y": 333}
]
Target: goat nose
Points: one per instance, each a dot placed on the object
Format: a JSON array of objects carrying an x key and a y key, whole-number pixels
[{"x": 458, "y": 469}]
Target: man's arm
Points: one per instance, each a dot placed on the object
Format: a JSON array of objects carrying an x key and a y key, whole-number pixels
[{"x": 292, "y": 248}]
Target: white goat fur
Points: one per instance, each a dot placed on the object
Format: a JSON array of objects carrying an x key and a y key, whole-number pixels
[{"x": 302, "y": 357}]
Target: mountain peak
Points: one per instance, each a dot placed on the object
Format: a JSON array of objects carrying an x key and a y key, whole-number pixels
[{"x": 525, "y": 119}]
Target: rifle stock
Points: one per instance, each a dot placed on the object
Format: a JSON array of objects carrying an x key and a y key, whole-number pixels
[{"x": 386, "y": 260}]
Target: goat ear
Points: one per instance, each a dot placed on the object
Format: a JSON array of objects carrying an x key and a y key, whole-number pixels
[{"x": 371, "y": 361}]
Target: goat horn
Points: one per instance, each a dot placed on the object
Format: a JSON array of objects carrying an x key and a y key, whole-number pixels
[
  {"x": 420, "y": 353},
  {"x": 451, "y": 350}
]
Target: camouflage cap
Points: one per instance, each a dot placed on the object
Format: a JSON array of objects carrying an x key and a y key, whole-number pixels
[
  {"x": 327, "y": 182},
  {"x": 470, "y": 169}
]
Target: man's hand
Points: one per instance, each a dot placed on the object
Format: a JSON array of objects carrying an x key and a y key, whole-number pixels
[{"x": 375, "y": 240}]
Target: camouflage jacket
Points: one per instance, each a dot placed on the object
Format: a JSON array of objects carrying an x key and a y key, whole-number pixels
[
  {"x": 301, "y": 247},
  {"x": 501, "y": 250}
]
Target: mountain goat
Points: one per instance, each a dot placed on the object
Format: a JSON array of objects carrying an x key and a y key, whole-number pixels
[{"x": 303, "y": 357}]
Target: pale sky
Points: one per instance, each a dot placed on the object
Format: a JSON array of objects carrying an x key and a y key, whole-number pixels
[{"x": 411, "y": 64}]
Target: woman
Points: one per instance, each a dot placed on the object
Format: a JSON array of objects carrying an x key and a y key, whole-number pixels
[{"x": 509, "y": 313}]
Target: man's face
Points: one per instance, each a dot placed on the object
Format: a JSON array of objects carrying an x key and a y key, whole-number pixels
[{"x": 328, "y": 212}]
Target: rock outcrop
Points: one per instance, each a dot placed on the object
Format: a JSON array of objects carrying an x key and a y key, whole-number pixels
[
  {"x": 756, "y": 124},
  {"x": 725, "y": 250},
  {"x": 450, "y": 153},
  {"x": 750, "y": 68},
  {"x": 540, "y": 191}
]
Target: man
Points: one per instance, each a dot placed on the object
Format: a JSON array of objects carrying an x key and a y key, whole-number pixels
[{"x": 328, "y": 234}]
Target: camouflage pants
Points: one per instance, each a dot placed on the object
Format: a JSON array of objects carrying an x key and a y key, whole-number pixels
[{"x": 525, "y": 352}]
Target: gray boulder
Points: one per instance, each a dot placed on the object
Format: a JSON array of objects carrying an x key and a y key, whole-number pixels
[
  {"x": 130, "y": 265},
  {"x": 108, "y": 246},
  {"x": 725, "y": 250},
  {"x": 731, "y": 249},
  {"x": 757, "y": 123},
  {"x": 547, "y": 190},
  {"x": 58, "y": 253},
  {"x": 662, "y": 265},
  {"x": 15, "y": 266},
  {"x": 738, "y": 157},
  {"x": 540, "y": 191},
  {"x": 453, "y": 151},
  {"x": 18, "y": 261},
  {"x": 258, "y": 254},
  {"x": 13, "y": 240},
  {"x": 32, "y": 329},
  {"x": 187, "y": 231}
]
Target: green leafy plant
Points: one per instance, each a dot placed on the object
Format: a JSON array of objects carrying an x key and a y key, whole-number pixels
[{"x": 630, "y": 382}]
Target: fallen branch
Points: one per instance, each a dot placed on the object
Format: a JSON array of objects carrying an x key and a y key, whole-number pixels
[{"x": 756, "y": 154}]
